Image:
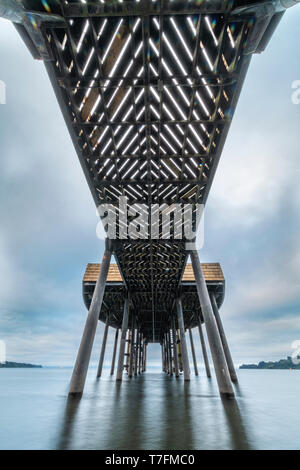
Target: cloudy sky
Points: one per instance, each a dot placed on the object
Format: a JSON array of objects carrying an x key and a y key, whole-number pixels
[{"x": 48, "y": 218}]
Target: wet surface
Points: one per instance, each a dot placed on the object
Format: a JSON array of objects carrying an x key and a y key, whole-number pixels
[{"x": 152, "y": 411}]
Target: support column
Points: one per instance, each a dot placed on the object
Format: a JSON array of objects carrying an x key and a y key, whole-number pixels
[
  {"x": 85, "y": 348},
  {"x": 114, "y": 352},
  {"x": 136, "y": 351},
  {"x": 131, "y": 349},
  {"x": 170, "y": 352},
  {"x": 218, "y": 356},
  {"x": 127, "y": 354},
  {"x": 229, "y": 360},
  {"x": 193, "y": 352},
  {"x": 207, "y": 368},
  {"x": 162, "y": 357},
  {"x": 145, "y": 357},
  {"x": 123, "y": 341},
  {"x": 140, "y": 352},
  {"x": 184, "y": 352},
  {"x": 175, "y": 347},
  {"x": 179, "y": 352},
  {"x": 100, "y": 365},
  {"x": 166, "y": 354}
]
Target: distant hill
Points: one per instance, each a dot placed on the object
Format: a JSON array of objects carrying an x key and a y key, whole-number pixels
[
  {"x": 7, "y": 365},
  {"x": 282, "y": 364}
]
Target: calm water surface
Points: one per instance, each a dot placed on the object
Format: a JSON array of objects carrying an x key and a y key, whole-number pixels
[{"x": 152, "y": 411}]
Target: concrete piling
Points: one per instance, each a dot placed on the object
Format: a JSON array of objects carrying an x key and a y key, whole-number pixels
[
  {"x": 193, "y": 351},
  {"x": 101, "y": 359},
  {"x": 170, "y": 352},
  {"x": 85, "y": 348},
  {"x": 136, "y": 352},
  {"x": 217, "y": 352},
  {"x": 114, "y": 352},
  {"x": 184, "y": 352},
  {"x": 145, "y": 357},
  {"x": 179, "y": 351},
  {"x": 228, "y": 357},
  {"x": 140, "y": 352},
  {"x": 167, "y": 354},
  {"x": 123, "y": 341},
  {"x": 204, "y": 352},
  {"x": 131, "y": 348},
  {"x": 175, "y": 352}
]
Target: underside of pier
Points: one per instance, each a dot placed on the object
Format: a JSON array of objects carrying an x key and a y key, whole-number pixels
[{"x": 148, "y": 90}]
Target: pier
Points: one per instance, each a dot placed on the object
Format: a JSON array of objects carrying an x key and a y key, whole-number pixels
[
  {"x": 170, "y": 330},
  {"x": 148, "y": 90}
]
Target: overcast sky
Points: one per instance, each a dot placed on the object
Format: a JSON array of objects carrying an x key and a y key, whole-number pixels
[{"x": 48, "y": 218}]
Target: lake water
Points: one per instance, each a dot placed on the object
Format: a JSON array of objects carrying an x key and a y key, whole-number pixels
[{"x": 152, "y": 411}]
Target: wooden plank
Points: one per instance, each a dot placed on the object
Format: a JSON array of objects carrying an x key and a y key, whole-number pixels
[{"x": 212, "y": 273}]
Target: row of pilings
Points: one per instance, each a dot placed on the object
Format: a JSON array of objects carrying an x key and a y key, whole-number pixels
[
  {"x": 132, "y": 353},
  {"x": 136, "y": 346}
]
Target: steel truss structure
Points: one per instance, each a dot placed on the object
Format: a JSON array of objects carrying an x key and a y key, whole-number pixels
[{"x": 148, "y": 90}]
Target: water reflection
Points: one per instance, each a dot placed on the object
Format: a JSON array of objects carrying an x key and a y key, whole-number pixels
[
  {"x": 152, "y": 411},
  {"x": 65, "y": 436},
  {"x": 236, "y": 427},
  {"x": 176, "y": 423}
]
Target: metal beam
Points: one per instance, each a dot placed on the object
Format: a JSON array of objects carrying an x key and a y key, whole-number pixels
[{"x": 145, "y": 8}]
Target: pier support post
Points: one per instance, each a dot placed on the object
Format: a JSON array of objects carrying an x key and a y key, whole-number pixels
[
  {"x": 193, "y": 351},
  {"x": 100, "y": 365},
  {"x": 162, "y": 358},
  {"x": 229, "y": 360},
  {"x": 175, "y": 352},
  {"x": 218, "y": 356},
  {"x": 136, "y": 351},
  {"x": 184, "y": 352},
  {"x": 123, "y": 341},
  {"x": 179, "y": 352},
  {"x": 167, "y": 354},
  {"x": 131, "y": 348},
  {"x": 127, "y": 354},
  {"x": 114, "y": 352},
  {"x": 145, "y": 357},
  {"x": 140, "y": 351},
  {"x": 204, "y": 352},
  {"x": 170, "y": 352},
  {"x": 85, "y": 348}
]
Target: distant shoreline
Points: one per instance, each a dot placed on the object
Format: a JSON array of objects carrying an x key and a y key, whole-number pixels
[
  {"x": 276, "y": 365},
  {"x": 19, "y": 365}
]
